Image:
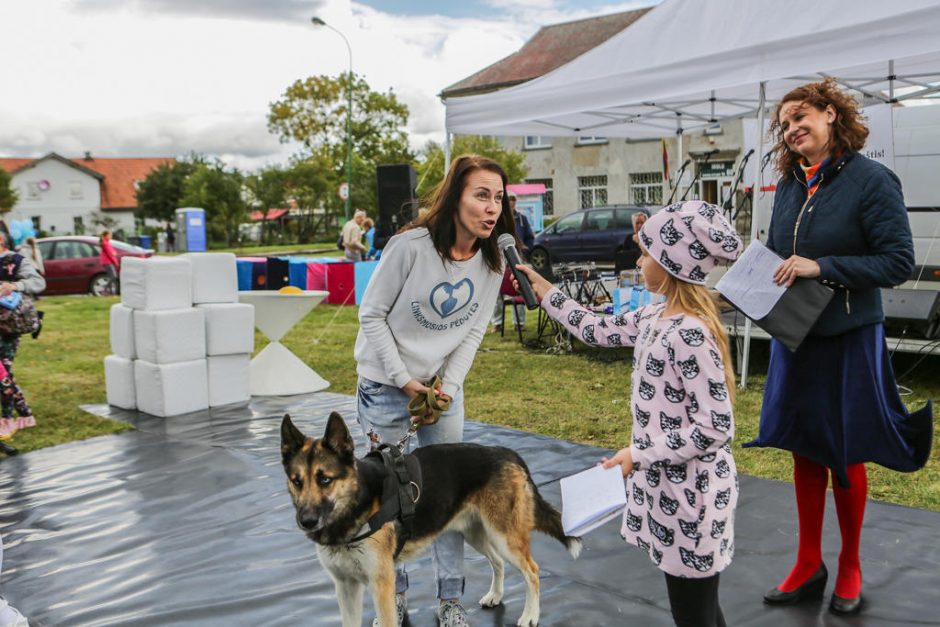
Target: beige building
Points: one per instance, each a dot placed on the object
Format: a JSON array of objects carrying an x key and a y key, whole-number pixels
[{"x": 589, "y": 171}]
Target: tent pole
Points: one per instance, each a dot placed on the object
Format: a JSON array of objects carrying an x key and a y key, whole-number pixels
[
  {"x": 755, "y": 195},
  {"x": 446, "y": 151}
]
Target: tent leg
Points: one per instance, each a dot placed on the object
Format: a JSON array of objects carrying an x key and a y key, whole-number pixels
[
  {"x": 755, "y": 195},
  {"x": 446, "y": 152}
]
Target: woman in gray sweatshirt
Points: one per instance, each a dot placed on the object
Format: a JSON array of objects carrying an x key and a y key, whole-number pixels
[{"x": 423, "y": 316}]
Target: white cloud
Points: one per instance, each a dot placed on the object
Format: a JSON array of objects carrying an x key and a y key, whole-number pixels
[{"x": 171, "y": 77}]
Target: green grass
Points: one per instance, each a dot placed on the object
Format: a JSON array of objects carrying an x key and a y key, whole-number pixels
[{"x": 583, "y": 396}]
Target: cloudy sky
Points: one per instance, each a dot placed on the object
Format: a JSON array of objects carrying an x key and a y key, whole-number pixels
[{"x": 167, "y": 77}]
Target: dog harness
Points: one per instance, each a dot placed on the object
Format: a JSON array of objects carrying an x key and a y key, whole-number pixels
[{"x": 401, "y": 491}]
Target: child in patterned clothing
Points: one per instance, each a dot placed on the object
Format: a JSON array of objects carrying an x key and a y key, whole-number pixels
[{"x": 681, "y": 477}]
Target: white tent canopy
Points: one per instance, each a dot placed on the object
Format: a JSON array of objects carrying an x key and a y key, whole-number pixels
[{"x": 704, "y": 59}]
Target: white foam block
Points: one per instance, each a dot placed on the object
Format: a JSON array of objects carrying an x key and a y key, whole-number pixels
[
  {"x": 171, "y": 336},
  {"x": 171, "y": 389},
  {"x": 215, "y": 278},
  {"x": 228, "y": 380},
  {"x": 122, "y": 331},
  {"x": 230, "y": 328},
  {"x": 156, "y": 283},
  {"x": 119, "y": 382}
]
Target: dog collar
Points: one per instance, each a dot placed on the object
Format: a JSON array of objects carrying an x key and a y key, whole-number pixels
[{"x": 401, "y": 490}]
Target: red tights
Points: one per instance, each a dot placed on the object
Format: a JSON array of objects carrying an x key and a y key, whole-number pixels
[{"x": 810, "y": 480}]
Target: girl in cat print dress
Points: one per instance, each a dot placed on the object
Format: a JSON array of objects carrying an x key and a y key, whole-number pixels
[{"x": 681, "y": 477}]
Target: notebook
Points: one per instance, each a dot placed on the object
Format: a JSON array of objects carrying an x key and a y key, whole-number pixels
[{"x": 590, "y": 498}]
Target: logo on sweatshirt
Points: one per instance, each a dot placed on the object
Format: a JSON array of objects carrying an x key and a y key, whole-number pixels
[{"x": 449, "y": 298}]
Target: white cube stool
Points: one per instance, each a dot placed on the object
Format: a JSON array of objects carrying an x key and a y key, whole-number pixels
[
  {"x": 119, "y": 382},
  {"x": 156, "y": 283},
  {"x": 174, "y": 335},
  {"x": 171, "y": 389},
  {"x": 228, "y": 379},
  {"x": 215, "y": 277}
]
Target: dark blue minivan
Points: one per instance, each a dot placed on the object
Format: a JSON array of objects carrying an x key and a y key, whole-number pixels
[{"x": 597, "y": 234}]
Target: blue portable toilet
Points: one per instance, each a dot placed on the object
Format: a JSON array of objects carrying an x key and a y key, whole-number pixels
[{"x": 191, "y": 230}]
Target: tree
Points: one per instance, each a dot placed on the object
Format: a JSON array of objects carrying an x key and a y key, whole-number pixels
[
  {"x": 313, "y": 111},
  {"x": 8, "y": 195},
  {"x": 160, "y": 194},
  {"x": 266, "y": 190},
  {"x": 219, "y": 192},
  {"x": 431, "y": 168},
  {"x": 312, "y": 184}
]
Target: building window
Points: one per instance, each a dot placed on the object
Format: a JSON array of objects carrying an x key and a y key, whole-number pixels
[
  {"x": 32, "y": 190},
  {"x": 548, "y": 199},
  {"x": 75, "y": 190},
  {"x": 78, "y": 225},
  {"x": 536, "y": 142},
  {"x": 587, "y": 140},
  {"x": 592, "y": 190},
  {"x": 37, "y": 223},
  {"x": 646, "y": 188}
]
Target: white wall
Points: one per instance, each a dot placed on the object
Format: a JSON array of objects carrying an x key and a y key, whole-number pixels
[{"x": 70, "y": 193}]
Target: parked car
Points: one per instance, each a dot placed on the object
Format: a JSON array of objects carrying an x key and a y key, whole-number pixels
[
  {"x": 597, "y": 234},
  {"x": 72, "y": 265}
]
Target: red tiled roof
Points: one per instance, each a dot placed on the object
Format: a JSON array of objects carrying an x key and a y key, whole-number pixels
[
  {"x": 550, "y": 48},
  {"x": 12, "y": 164},
  {"x": 118, "y": 189},
  {"x": 119, "y": 174},
  {"x": 273, "y": 214}
]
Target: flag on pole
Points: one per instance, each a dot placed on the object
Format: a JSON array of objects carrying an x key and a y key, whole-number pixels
[{"x": 665, "y": 161}]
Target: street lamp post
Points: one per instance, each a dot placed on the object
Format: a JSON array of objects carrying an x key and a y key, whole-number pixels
[{"x": 318, "y": 22}]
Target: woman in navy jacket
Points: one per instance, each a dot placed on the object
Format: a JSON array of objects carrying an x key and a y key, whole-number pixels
[{"x": 839, "y": 218}]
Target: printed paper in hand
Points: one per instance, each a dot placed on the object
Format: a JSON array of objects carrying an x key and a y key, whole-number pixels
[
  {"x": 749, "y": 283},
  {"x": 591, "y": 498}
]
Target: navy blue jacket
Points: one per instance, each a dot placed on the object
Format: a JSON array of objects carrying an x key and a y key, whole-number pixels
[{"x": 856, "y": 228}]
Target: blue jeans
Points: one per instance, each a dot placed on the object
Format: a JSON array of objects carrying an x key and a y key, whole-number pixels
[{"x": 383, "y": 410}]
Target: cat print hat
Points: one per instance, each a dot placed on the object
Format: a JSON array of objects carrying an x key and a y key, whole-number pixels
[{"x": 689, "y": 238}]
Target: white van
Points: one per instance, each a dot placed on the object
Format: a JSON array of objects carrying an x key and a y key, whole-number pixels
[{"x": 917, "y": 164}]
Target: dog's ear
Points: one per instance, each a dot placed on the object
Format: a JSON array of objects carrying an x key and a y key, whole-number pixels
[
  {"x": 291, "y": 438},
  {"x": 337, "y": 437}
]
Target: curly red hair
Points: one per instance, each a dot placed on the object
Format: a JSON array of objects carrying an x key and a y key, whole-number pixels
[{"x": 848, "y": 131}]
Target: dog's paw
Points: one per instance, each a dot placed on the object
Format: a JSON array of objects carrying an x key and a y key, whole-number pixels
[
  {"x": 491, "y": 599},
  {"x": 528, "y": 621}
]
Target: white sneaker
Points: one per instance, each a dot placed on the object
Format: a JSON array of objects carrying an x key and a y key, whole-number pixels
[
  {"x": 10, "y": 616},
  {"x": 452, "y": 614},
  {"x": 401, "y": 608}
]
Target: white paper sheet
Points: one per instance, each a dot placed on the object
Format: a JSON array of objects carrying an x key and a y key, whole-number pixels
[
  {"x": 749, "y": 283},
  {"x": 591, "y": 498}
]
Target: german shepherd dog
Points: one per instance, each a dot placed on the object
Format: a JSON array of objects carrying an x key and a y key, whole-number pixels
[{"x": 485, "y": 493}]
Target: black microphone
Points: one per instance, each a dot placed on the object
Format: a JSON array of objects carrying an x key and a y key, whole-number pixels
[{"x": 507, "y": 243}]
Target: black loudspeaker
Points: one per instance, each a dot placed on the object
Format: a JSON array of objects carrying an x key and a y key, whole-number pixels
[
  {"x": 395, "y": 190},
  {"x": 918, "y": 311},
  {"x": 278, "y": 272}
]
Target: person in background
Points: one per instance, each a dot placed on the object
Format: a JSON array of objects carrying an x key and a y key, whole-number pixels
[
  {"x": 682, "y": 484},
  {"x": 838, "y": 218},
  {"x": 170, "y": 237},
  {"x": 422, "y": 318},
  {"x": 17, "y": 274},
  {"x": 527, "y": 237},
  {"x": 352, "y": 236},
  {"x": 6, "y": 235},
  {"x": 368, "y": 226},
  {"x": 110, "y": 261},
  {"x": 30, "y": 249}
]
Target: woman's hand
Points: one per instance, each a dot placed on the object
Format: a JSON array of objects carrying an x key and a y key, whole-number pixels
[
  {"x": 6, "y": 288},
  {"x": 539, "y": 285},
  {"x": 623, "y": 458},
  {"x": 794, "y": 267},
  {"x": 414, "y": 387}
]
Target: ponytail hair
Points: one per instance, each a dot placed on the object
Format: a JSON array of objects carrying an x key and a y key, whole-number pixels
[{"x": 695, "y": 300}]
